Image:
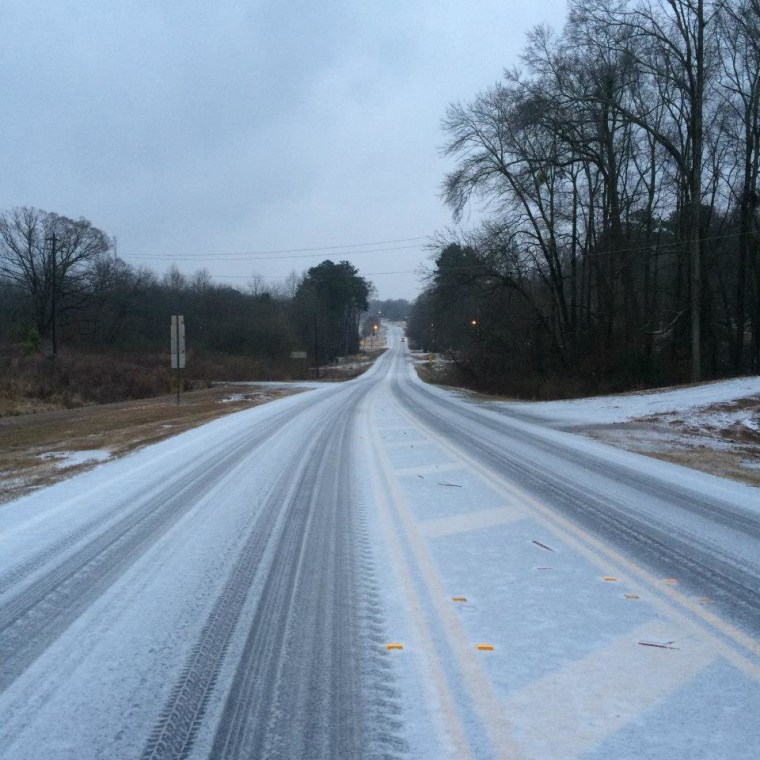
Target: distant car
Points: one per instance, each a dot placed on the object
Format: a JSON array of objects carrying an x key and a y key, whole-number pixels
[{"x": 403, "y": 340}]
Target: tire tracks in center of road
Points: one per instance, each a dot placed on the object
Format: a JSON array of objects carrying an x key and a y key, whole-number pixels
[{"x": 302, "y": 686}]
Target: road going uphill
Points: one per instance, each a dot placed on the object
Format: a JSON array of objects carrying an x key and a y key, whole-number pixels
[{"x": 380, "y": 569}]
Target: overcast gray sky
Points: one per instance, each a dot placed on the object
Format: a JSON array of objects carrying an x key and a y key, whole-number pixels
[{"x": 214, "y": 134}]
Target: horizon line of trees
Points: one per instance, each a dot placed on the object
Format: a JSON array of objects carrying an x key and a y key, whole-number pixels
[
  {"x": 61, "y": 285},
  {"x": 619, "y": 167}
]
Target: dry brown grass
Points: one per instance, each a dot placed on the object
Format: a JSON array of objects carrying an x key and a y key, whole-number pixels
[
  {"x": 62, "y": 407},
  {"x": 120, "y": 428},
  {"x": 698, "y": 439},
  {"x": 724, "y": 464},
  {"x": 32, "y": 382}
]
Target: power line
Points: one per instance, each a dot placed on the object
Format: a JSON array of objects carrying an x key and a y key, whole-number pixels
[
  {"x": 287, "y": 253},
  {"x": 272, "y": 277},
  {"x": 250, "y": 257}
]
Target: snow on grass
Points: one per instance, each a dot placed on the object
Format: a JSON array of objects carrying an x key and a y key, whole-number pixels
[
  {"x": 237, "y": 398},
  {"x": 11, "y": 483},
  {"x": 65, "y": 459},
  {"x": 714, "y": 427},
  {"x": 605, "y": 410}
]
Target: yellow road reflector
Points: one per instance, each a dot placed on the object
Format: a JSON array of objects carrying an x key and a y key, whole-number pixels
[
  {"x": 394, "y": 645},
  {"x": 458, "y": 598},
  {"x": 631, "y": 596},
  {"x": 671, "y": 581},
  {"x": 610, "y": 579},
  {"x": 484, "y": 647}
]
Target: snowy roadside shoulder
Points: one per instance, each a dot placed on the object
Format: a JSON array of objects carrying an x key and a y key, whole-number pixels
[
  {"x": 624, "y": 407},
  {"x": 713, "y": 427},
  {"x": 41, "y": 449}
]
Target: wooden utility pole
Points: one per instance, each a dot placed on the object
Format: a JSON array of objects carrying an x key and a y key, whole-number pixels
[
  {"x": 695, "y": 269},
  {"x": 53, "y": 293},
  {"x": 316, "y": 343}
]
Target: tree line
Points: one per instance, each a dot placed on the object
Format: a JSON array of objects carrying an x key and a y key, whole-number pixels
[
  {"x": 619, "y": 170},
  {"x": 62, "y": 287}
]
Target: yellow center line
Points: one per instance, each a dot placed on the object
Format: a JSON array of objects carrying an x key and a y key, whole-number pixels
[
  {"x": 451, "y": 721},
  {"x": 483, "y": 699}
]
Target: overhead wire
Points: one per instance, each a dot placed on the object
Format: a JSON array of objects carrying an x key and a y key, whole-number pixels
[
  {"x": 286, "y": 253},
  {"x": 298, "y": 253},
  {"x": 273, "y": 277}
]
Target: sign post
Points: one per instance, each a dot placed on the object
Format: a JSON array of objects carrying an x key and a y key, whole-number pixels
[{"x": 178, "y": 348}]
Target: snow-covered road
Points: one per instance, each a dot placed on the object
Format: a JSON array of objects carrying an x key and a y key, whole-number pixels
[{"x": 381, "y": 569}]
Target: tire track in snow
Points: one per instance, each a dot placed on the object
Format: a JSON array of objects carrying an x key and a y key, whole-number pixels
[
  {"x": 19, "y": 573},
  {"x": 182, "y": 716},
  {"x": 738, "y": 647},
  {"x": 44, "y": 609},
  {"x": 711, "y": 509},
  {"x": 734, "y": 587},
  {"x": 306, "y": 684}
]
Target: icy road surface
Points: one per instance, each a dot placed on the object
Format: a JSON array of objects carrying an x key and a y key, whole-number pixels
[{"x": 379, "y": 569}]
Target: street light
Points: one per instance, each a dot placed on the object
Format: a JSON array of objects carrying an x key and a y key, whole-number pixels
[{"x": 476, "y": 326}]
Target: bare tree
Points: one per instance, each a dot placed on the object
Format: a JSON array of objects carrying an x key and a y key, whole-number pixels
[
  {"x": 175, "y": 280},
  {"x": 740, "y": 90},
  {"x": 673, "y": 44},
  {"x": 292, "y": 283},
  {"x": 257, "y": 285},
  {"x": 201, "y": 281},
  {"x": 51, "y": 257},
  {"x": 621, "y": 167}
]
